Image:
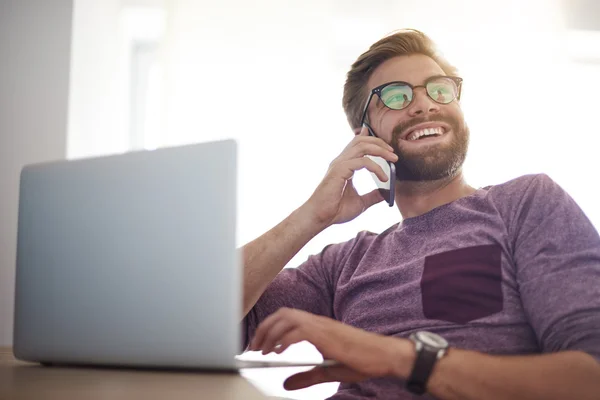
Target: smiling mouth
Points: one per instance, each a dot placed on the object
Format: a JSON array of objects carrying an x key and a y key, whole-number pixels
[{"x": 426, "y": 133}]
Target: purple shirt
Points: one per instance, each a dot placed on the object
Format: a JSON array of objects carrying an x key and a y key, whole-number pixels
[{"x": 511, "y": 269}]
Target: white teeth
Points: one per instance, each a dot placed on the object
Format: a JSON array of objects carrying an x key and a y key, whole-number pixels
[{"x": 423, "y": 132}]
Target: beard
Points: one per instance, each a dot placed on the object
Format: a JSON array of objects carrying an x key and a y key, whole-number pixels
[{"x": 437, "y": 161}]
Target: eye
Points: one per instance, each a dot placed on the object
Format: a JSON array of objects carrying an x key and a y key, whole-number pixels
[
  {"x": 396, "y": 96},
  {"x": 396, "y": 101},
  {"x": 443, "y": 91}
]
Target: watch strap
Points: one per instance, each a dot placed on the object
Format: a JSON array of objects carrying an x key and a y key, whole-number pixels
[{"x": 424, "y": 363}]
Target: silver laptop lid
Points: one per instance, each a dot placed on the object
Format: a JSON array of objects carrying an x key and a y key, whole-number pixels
[{"x": 130, "y": 259}]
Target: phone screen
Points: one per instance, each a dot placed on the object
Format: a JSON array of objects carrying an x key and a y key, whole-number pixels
[{"x": 387, "y": 189}]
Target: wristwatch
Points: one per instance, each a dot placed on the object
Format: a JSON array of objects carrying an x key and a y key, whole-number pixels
[{"x": 430, "y": 348}]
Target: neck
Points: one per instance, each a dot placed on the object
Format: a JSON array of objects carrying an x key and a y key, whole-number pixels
[{"x": 415, "y": 198}]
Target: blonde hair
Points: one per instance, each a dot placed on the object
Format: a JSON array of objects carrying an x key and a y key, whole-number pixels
[{"x": 399, "y": 43}]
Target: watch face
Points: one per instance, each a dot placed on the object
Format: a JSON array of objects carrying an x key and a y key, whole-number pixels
[{"x": 432, "y": 340}]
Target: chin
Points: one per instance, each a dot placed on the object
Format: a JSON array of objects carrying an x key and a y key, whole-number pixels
[{"x": 437, "y": 164}]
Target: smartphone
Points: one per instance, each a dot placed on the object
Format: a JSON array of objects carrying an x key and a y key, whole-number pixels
[{"x": 387, "y": 189}]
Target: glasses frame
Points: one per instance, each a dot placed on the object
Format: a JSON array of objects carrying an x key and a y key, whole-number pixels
[{"x": 377, "y": 91}]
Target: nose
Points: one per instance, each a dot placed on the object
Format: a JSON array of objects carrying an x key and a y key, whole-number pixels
[{"x": 422, "y": 104}]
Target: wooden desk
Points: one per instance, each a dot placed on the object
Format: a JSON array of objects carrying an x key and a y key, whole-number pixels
[{"x": 24, "y": 381}]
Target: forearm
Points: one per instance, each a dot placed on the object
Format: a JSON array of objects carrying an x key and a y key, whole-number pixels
[
  {"x": 266, "y": 256},
  {"x": 469, "y": 375}
]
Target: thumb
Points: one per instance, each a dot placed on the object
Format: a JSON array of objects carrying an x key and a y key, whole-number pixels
[
  {"x": 338, "y": 373},
  {"x": 305, "y": 379},
  {"x": 371, "y": 198}
]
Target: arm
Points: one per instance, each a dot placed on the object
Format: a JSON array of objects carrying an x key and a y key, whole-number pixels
[
  {"x": 266, "y": 256},
  {"x": 471, "y": 375},
  {"x": 466, "y": 375},
  {"x": 460, "y": 374},
  {"x": 334, "y": 201}
]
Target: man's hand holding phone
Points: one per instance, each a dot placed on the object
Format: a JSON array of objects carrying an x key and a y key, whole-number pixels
[{"x": 336, "y": 200}]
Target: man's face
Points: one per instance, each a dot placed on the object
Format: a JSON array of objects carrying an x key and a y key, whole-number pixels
[{"x": 429, "y": 158}]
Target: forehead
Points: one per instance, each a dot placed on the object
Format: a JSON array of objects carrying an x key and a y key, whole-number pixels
[{"x": 414, "y": 69}]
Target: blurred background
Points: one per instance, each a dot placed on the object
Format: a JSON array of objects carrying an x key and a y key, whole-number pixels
[{"x": 94, "y": 77}]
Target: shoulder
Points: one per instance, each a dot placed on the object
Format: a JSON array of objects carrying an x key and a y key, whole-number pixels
[
  {"x": 517, "y": 192},
  {"x": 529, "y": 200},
  {"x": 523, "y": 184},
  {"x": 362, "y": 240},
  {"x": 352, "y": 250}
]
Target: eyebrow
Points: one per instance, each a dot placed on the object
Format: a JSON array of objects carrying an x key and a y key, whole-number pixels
[{"x": 423, "y": 82}]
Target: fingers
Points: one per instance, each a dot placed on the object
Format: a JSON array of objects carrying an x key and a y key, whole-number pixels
[
  {"x": 372, "y": 198},
  {"x": 368, "y": 146},
  {"x": 346, "y": 169},
  {"x": 305, "y": 379},
  {"x": 273, "y": 337},
  {"x": 262, "y": 331},
  {"x": 362, "y": 131},
  {"x": 273, "y": 328},
  {"x": 364, "y": 136},
  {"x": 292, "y": 336}
]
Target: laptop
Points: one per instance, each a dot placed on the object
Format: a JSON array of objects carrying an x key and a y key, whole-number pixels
[{"x": 130, "y": 260}]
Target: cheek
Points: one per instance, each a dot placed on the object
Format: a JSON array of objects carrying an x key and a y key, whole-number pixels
[
  {"x": 388, "y": 121},
  {"x": 455, "y": 111}
]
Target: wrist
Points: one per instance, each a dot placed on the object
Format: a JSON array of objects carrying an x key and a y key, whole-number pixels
[
  {"x": 403, "y": 356},
  {"x": 308, "y": 217}
]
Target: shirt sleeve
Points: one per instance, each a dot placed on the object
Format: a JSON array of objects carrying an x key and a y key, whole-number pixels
[
  {"x": 308, "y": 287},
  {"x": 557, "y": 257}
]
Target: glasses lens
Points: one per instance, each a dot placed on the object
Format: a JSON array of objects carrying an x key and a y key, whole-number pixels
[
  {"x": 396, "y": 96},
  {"x": 443, "y": 90}
]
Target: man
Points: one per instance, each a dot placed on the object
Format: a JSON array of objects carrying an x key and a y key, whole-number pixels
[{"x": 507, "y": 275}]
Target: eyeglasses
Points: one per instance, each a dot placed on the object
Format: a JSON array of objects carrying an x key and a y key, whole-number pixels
[{"x": 399, "y": 95}]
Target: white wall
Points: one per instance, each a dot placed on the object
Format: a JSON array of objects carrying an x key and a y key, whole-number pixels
[
  {"x": 35, "y": 38},
  {"x": 98, "y": 102}
]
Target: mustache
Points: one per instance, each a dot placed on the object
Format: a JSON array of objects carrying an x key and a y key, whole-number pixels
[{"x": 404, "y": 126}]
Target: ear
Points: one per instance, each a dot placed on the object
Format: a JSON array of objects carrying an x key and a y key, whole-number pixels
[{"x": 363, "y": 130}]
